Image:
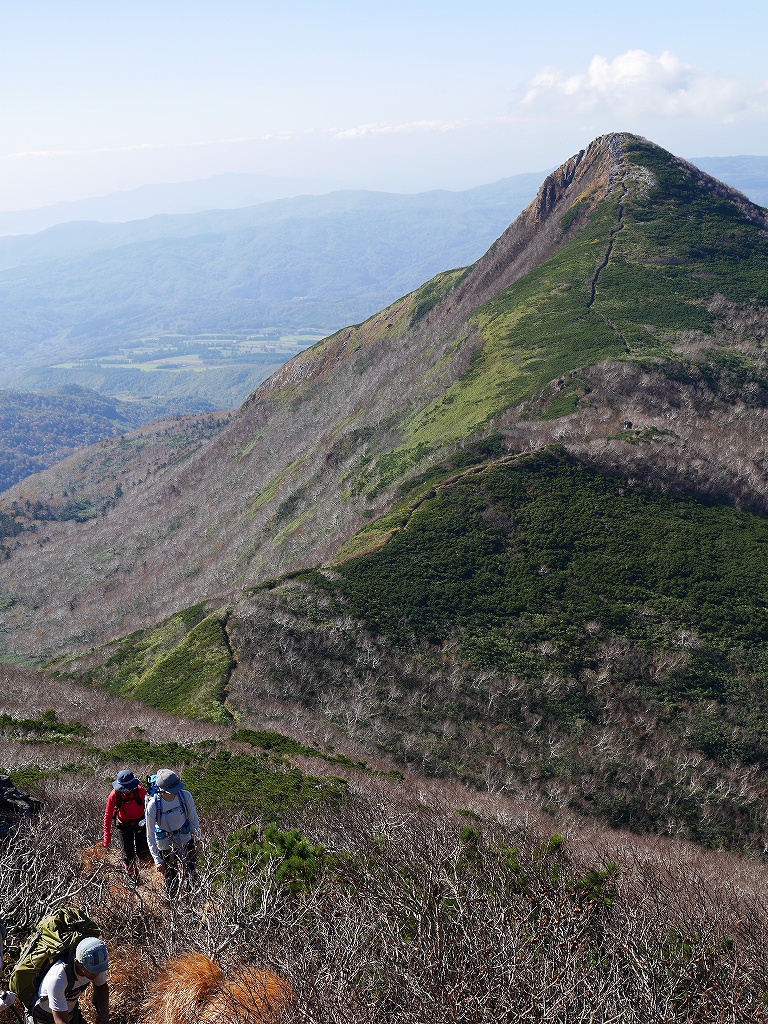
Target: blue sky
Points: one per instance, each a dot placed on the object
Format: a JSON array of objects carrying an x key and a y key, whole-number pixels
[{"x": 100, "y": 96}]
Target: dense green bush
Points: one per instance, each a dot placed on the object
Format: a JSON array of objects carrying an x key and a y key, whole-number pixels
[
  {"x": 47, "y": 727},
  {"x": 273, "y": 741},
  {"x": 244, "y": 782},
  {"x": 534, "y": 550},
  {"x": 296, "y": 861}
]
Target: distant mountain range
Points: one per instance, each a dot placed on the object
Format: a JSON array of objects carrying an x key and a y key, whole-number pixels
[
  {"x": 82, "y": 291},
  {"x": 749, "y": 174},
  {"x": 220, "y": 192},
  {"x": 78, "y": 300},
  {"x": 512, "y": 528}
]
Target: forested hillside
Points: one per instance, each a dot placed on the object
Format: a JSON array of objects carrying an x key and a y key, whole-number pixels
[{"x": 39, "y": 429}]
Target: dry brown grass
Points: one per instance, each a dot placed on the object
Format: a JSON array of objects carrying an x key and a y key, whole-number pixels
[
  {"x": 193, "y": 989},
  {"x": 92, "y": 856}
]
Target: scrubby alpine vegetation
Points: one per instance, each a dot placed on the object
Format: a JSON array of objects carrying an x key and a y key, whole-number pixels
[
  {"x": 541, "y": 628},
  {"x": 511, "y": 529},
  {"x": 370, "y": 899}
]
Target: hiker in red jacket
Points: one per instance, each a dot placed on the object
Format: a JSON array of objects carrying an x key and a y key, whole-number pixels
[{"x": 125, "y": 809}]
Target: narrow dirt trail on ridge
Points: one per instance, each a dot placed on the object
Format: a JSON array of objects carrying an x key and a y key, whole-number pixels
[{"x": 604, "y": 263}]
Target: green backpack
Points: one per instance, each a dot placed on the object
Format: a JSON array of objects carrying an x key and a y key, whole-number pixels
[{"x": 57, "y": 935}]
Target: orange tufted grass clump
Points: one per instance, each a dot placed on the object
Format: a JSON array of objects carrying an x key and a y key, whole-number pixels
[{"x": 193, "y": 989}]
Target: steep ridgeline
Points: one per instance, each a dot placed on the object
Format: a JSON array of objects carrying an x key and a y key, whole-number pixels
[{"x": 622, "y": 315}]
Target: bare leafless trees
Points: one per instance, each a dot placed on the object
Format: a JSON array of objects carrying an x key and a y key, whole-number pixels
[{"x": 420, "y": 915}]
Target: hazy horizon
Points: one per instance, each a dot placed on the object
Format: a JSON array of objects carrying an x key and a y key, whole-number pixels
[{"x": 399, "y": 97}]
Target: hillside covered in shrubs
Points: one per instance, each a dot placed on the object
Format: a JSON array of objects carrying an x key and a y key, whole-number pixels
[
  {"x": 622, "y": 316},
  {"x": 375, "y": 899},
  {"x": 456, "y": 592},
  {"x": 529, "y": 626}
]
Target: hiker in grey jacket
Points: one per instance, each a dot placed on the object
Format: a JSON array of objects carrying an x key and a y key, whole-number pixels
[{"x": 172, "y": 828}]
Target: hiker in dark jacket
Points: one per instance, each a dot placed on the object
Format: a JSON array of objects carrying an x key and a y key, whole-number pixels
[
  {"x": 172, "y": 827},
  {"x": 125, "y": 810},
  {"x": 64, "y": 983}
]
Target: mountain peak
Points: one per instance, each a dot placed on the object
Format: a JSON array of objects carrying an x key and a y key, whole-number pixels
[
  {"x": 586, "y": 178},
  {"x": 602, "y": 159},
  {"x": 569, "y": 196},
  {"x": 629, "y": 260}
]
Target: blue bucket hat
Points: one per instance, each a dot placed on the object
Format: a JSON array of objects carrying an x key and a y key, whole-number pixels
[
  {"x": 125, "y": 781},
  {"x": 92, "y": 955}
]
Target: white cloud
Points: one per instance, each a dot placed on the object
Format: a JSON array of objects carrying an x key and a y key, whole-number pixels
[
  {"x": 639, "y": 83},
  {"x": 397, "y": 129},
  {"x": 356, "y": 132}
]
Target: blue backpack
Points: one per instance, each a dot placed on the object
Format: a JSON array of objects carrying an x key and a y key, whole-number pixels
[{"x": 153, "y": 793}]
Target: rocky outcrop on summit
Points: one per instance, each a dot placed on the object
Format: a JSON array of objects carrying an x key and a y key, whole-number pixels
[{"x": 537, "y": 233}]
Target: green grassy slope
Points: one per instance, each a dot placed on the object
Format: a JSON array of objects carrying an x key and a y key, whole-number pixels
[
  {"x": 681, "y": 245},
  {"x": 182, "y": 666}
]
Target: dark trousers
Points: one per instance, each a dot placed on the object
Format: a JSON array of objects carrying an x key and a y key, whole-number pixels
[
  {"x": 133, "y": 839},
  {"x": 37, "y": 1015},
  {"x": 180, "y": 864}
]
